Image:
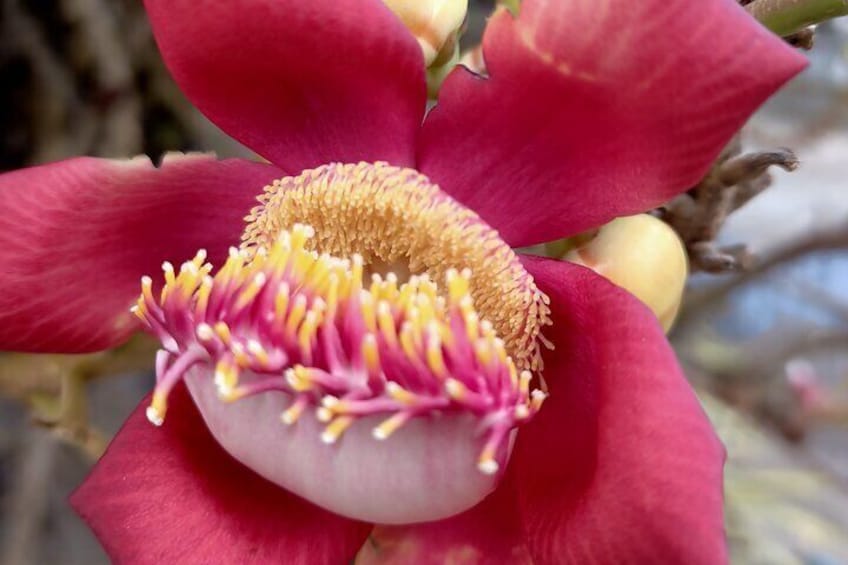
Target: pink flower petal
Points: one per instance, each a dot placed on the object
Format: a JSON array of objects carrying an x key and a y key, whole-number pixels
[
  {"x": 171, "y": 495},
  {"x": 489, "y": 533},
  {"x": 77, "y": 235},
  {"x": 301, "y": 83},
  {"x": 597, "y": 109},
  {"x": 621, "y": 464}
]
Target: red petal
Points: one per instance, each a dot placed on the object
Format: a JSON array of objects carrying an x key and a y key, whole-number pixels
[
  {"x": 489, "y": 533},
  {"x": 597, "y": 109},
  {"x": 76, "y": 236},
  {"x": 301, "y": 83},
  {"x": 172, "y": 495},
  {"x": 621, "y": 464}
]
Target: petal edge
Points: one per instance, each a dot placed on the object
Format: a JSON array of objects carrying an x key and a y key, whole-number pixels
[
  {"x": 172, "y": 495},
  {"x": 594, "y": 110},
  {"x": 77, "y": 235},
  {"x": 621, "y": 464}
]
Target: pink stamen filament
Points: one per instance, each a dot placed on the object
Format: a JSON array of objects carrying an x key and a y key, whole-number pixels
[{"x": 302, "y": 324}]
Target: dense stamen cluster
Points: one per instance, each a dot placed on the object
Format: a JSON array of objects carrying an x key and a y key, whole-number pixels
[
  {"x": 395, "y": 218},
  {"x": 279, "y": 316}
]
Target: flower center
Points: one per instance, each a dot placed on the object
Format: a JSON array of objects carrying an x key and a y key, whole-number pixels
[
  {"x": 290, "y": 313},
  {"x": 398, "y": 221}
]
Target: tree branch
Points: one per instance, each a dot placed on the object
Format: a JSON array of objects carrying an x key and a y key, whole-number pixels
[{"x": 699, "y": 302}]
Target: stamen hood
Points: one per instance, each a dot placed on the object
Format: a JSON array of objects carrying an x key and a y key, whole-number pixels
[{"x": 294, "y": 334}]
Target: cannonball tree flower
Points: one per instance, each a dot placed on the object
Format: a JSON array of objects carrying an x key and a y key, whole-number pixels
[{"x": 371, "y": 350}]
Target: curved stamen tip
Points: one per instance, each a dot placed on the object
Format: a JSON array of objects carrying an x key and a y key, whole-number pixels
[
  {"x": 488, "y": 466},
  {"x": 155, "y": 416}
]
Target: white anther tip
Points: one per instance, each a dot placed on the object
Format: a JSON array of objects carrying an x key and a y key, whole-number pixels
[
  {"x": 290, "y": 377},
  {"x": 539, "y": 394},
  {"x": 521, "y": 411},
  {"x": 328, "y": 438},
  {"x": 323, "y": 415},
  {"x": 205, "y": 331},
  {"x": 488, "y": 466},
  {"x": 288, "y": 418},
  {"x": 154, "y": 417},
  {"x": 145, "y": 280},
  {"x": 453, "y": 387},
  {"x": 329, "y": 401},
  {"x": 379, "y": 434},
  {"x": 167, "y": 267}
]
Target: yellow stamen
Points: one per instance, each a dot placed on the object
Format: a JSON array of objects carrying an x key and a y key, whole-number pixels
[
  {"x": 399, "y": 393},
  {"x": 370, "y": 354},
  {"x": 258, "y": 352},
  {"x": 455, "y": 389},
  {"x": 249, "y": 293},
  {"x": 435, "y": 360},
  {"x": 293, "y": 413},
  {"x": 226, "y": 377},
  {"x": 157, "y": 409},
  {"x": 281, "y": 301},
  {"x": 336, "y": 428},
  {"x": 486, "y": 463},
  {"x": 386, "y": 322},
  {"x": 389, "y": 426},
  {"x": 524, "y": 385},
  {"x": 297, "y": 313},
  {"x": 298, "y": 378},
  {"x": 223, "y": 332}
]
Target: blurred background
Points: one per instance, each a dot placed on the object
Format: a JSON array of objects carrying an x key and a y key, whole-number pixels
[{"x": 767, "y": 349}]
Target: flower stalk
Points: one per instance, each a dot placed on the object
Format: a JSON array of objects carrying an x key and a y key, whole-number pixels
[{"x": 785, "y": 17}]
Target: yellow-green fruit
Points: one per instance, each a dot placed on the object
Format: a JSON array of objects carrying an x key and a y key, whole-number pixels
[{"x": 643, "y": 255}]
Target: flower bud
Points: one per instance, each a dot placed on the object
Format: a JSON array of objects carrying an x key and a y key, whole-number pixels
[
  {"x": 434, "y": 23},
  {"x": 643, "y": 255}
]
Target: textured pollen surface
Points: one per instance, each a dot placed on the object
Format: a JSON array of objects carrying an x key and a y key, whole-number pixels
[{"x": 396, "y": 216}]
